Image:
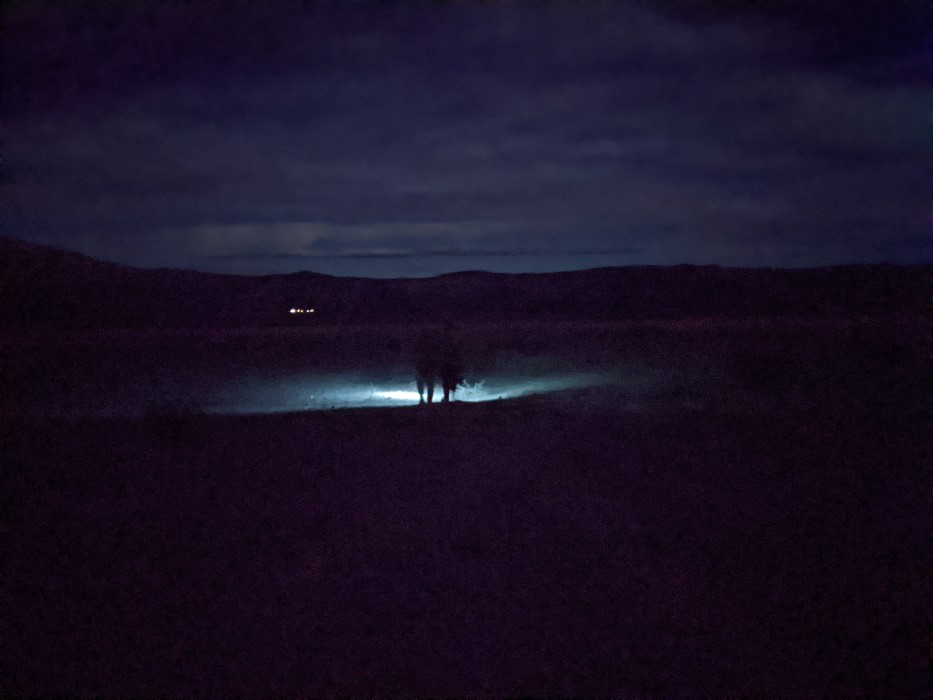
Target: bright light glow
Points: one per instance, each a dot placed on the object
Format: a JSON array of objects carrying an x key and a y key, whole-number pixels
[
  {"x": 398, "y": 395},
  {"x": 326, "y": 391},
  {"x": 291, "y": 311}
]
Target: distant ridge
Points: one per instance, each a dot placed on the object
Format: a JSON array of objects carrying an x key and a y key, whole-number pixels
[{"x": 42, "y": 286}]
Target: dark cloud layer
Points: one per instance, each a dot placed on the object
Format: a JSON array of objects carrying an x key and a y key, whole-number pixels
[{"x": 409, "y": 139}]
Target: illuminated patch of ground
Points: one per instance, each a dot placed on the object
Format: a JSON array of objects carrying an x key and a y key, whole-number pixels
[{"x": 277, "y": 395}]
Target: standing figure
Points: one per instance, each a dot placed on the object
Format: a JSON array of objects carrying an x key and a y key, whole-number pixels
[
  {"x": 437, "y": 361},
  {"x": 426, "y": 368},
  {"x": 450, "y": 370}
]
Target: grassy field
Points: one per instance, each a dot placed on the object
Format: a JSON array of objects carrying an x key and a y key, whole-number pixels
[{"x": 755, "y": 525}]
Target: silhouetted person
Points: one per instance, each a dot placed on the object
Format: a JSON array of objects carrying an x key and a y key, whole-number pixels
[
  {"x": 425, "y": 367},
  {"x": 450, "y": 370},
  {"x": 437, "y": 361}
]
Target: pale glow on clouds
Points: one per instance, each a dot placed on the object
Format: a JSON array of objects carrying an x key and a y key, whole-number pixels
[{"x": 325, "y": 240}]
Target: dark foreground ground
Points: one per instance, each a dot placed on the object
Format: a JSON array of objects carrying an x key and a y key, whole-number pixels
[{"x": 758, "y": 527}]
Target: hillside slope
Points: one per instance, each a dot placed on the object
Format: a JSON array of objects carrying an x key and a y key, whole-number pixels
[{"x": 41, "y": 286}]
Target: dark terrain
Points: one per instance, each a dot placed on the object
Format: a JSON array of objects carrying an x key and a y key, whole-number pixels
[
  {"x": 751, "y": 520},
  {"x": 45, "y": 288}
]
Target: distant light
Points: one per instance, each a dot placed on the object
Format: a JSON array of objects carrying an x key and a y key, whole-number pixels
[{"x": 292, "y": 311}]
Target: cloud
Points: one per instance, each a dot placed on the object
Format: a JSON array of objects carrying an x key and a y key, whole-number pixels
[{"x": 463, "y": 130}]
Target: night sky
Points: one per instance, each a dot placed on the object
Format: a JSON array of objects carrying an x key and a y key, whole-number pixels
[{"x": 411, "y": 139}]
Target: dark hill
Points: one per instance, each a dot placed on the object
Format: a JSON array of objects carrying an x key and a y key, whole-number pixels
[{"x": 42, "y": 286}]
